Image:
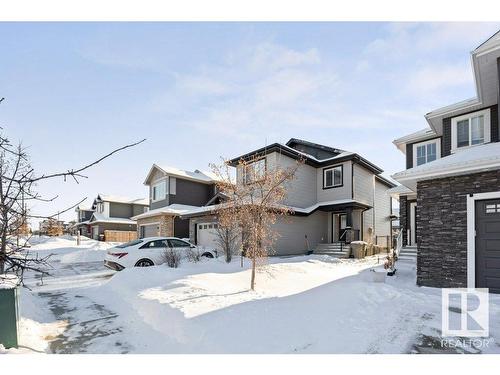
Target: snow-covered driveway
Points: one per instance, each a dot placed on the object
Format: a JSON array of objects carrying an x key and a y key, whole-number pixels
[{"x": 305, "y": 304}]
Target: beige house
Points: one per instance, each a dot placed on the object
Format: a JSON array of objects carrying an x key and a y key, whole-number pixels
[{"x": 337, "y": 197}]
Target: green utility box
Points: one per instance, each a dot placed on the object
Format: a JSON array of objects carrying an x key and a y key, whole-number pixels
[{"x": 9, "y": 312}]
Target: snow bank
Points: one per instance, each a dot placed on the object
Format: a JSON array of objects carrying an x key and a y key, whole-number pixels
[{"x": 301, "y": 304}]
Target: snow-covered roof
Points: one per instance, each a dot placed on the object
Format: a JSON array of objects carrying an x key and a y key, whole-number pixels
[
  {"x": 420, "y": 135},
  {"x": 399, "y": 190},
  {"x": 470, "y": 160},
  {"x": 100, "y": 218},
  {"x": 173, "y": 209},
  {"x": 298, "y": 210},
  {"x": 206, "y": 177},
  {"x": 121, "y": 199},
  {"x": 82, "y": 207}
]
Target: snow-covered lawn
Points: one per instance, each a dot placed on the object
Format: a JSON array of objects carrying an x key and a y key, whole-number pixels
[{"x": 304, "y": 304}]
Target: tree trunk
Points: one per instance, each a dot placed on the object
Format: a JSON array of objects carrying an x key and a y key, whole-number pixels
[{"x": 252, "y": 281}]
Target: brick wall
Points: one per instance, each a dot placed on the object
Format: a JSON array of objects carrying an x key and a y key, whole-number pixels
[
  {"x": 166, "y": 224},
  {"x": 442, "y": 227}
]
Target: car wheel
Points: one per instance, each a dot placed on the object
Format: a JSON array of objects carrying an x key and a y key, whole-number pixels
[
  {"x": 144, "y": 263},
  {"x": 208, "y": 255}
]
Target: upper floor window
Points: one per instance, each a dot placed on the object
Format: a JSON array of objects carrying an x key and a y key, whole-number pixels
[
  {"x": 332, "y": 177},
  {"x": 425, "y": 152},
  {"x": 254, "y": 171},
  {"x": 159, "y": 190},
  {"x": 470, "y": 130}
]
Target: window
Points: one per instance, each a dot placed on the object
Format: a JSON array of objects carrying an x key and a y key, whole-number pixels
[
  {"x": 158, "y": 244},
  {"x": 492, "y": 208},
  {"x": 426, "y": 152},
  {"x": 332, "y": 177},
  {"x": 470, "y": 130},
  {"x": 159, "y": 191},
  {"x": 178, "y": 243},
  {"x": 254, "y": 171}
]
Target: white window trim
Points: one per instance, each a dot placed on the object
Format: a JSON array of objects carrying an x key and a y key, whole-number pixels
[
  {"x": 416, "y": 145},
  {"x": 157, "y": 182},
  {"x": 245, "y": 182},
  {"x": 325, "y": 186},
  {"x": 471, "y": 233},
  {"x": 487, "y": 129}
]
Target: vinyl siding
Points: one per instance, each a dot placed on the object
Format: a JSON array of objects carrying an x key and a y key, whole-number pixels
[
  {"x": 302, "y": 189},
  {"x": 341, "y": 192},
  {"x": 374, "y": 193},
  {"x": 382, "y": 210},
  {"x": 363, "y": 185},
  {"x": 293, "y": 229}
]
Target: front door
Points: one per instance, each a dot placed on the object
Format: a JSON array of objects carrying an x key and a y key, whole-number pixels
[
  {"x": 342, "y": 227},
  {"x": 487, "y": 255}
]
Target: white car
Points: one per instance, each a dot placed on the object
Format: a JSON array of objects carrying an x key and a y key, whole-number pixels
[{"x": 147, "y": 252}]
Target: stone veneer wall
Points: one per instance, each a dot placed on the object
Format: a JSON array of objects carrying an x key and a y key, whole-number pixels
[
  {"x": 403, "y": 217},
  {"x": 442, "y": 227},
  {"x": 166, "y": 224}
]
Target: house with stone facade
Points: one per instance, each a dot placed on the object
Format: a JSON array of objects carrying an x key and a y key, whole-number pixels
[
  {"x": 172, "y": 193},
  {"x": 336, "y": 196},
  {"x": 111, "y": 213},
  {"x": 450, "y": 194}
]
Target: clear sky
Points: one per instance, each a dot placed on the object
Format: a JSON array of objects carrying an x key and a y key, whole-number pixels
[{"x": 199, "y": 91}]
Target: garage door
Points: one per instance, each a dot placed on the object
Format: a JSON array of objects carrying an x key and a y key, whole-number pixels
[
  {"x": 207, "y": 235},
  {"x": 488, "y": 245},
  {"x": 151, "y": 230}
]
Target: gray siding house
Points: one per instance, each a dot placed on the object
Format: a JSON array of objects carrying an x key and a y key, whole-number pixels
[
  {"x": 82, "y": 225},
  {"x": 173, "y": 192},
  {"x": 450, "y": 198},
  {"x": 337, "y": 197},
  {"x": 115, "y": 213}
]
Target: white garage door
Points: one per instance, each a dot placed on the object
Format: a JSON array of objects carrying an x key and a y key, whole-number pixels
[
  {"x": 151, "y": 230},
  {"x": 207, "y": 235}
]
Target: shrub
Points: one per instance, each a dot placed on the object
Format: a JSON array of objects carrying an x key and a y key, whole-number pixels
[
  {"x": 194, "y": 255},
  {"x": 172, "y": 257}
]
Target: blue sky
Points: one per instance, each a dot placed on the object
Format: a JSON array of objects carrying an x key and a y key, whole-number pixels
[{"x": 199, "y": 91}]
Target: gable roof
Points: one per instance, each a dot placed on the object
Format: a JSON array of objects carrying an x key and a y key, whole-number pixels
[
  {"x": 120, "y": 199},
  {"x": 307, "y": 158},
  {"x": 484, "y": 68},
  {"x": 204, "y": 177}
]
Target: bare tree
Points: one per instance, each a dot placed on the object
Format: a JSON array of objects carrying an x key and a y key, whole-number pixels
[
  {"x": 255, "y": 203},
  {"x": 17, "y": 189}
]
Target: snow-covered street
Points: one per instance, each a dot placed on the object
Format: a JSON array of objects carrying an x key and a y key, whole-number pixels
[{"x": 303, "y": 304}]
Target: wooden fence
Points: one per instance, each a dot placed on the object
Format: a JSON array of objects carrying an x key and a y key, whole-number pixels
[{"x": 119, "y": 235}]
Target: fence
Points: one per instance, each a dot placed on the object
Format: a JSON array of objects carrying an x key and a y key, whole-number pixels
[{"x": 119, "y": 235}]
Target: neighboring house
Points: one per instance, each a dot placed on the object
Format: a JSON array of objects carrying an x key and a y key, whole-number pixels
[
  {"x": 450, "y": 206},
  {"x": 173, "y": 192},
  {"x": 113, "y": 213},
  {"x": 336, "y": 196},
  {"x": 82, "y": 225}
]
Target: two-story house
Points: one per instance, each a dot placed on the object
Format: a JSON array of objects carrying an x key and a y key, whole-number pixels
[
  {"x": 450, "y": 202},
  {"x": 336, "y": 197},
  {"x": 173, "y": 192},
  {"x": 114, "y": 214},
  {"x": 83, "y": 216}
]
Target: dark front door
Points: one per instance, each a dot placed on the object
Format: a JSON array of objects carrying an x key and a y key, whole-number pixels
[
  {"x": 342, "y": 227},
  {"x": 488, "y": 245}
]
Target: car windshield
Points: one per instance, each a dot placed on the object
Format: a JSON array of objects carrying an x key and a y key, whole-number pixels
[{"x": 128, "y": 244}]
